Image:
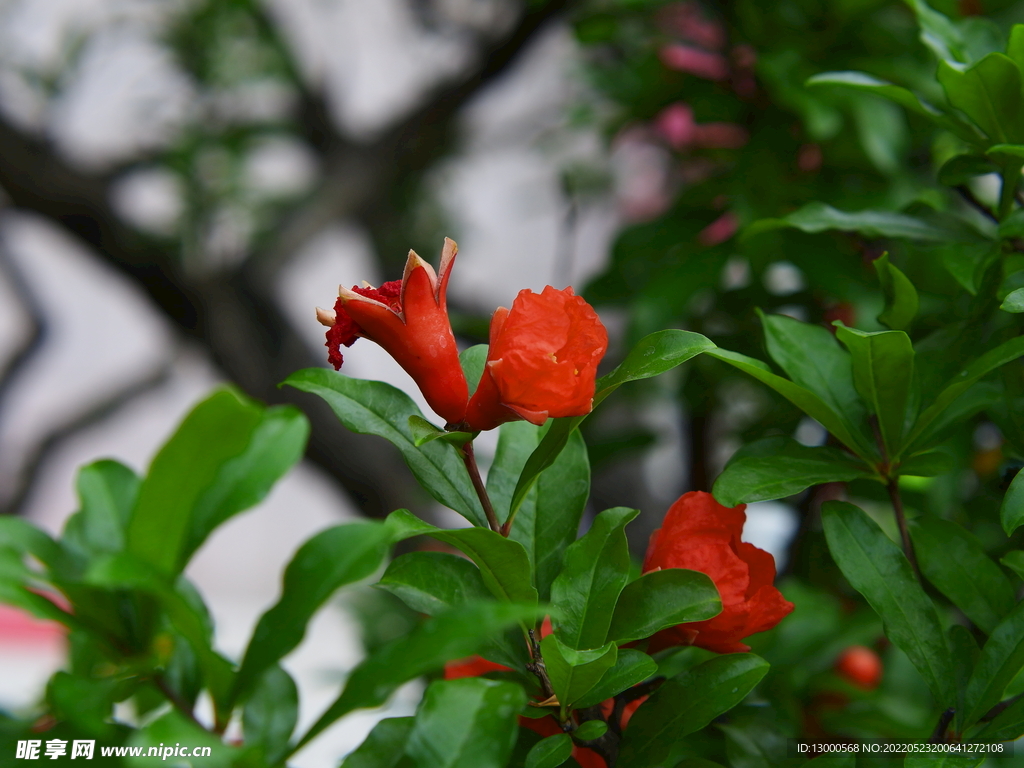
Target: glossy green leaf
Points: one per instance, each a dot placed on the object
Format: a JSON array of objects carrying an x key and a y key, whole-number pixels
[
  {"x": 594, "y": 571},
  {"x": 589, "y": 730},
  {"x": 473, "y": 360},
  {"x": 376, "y": 408},
  {"x": 989, "y": 92},
  {"x": 811, "y": 357},
  {"x": 1014, "y": 302},
  {"x": 19, "y": 535},
  {"x": 1008, "y": 725},
  {"x": 468, "y": 723},
  {"x": 802, "y": 398},
  {"x": 964, "y": 380},
  {"x": 431, "y": 582},
  {"x": 548, "y": 516},
  {"x": 631, "y": 667},
  {"x": 953, "y": 560},
  {"x": 1014, "y": 561},
  {"x": 107, "y": 491},
  {"x": 938, "y": 32},
  {"x": 175, "y": 728},
  {"x": 662, "y": 599},
  {"x": 453, "y": 634},
  {"x": 384, "y": 746},
  {"x": 962, "y": 169},
  {"x": 818, "y": 217},
  {"x": 878, "y": 569},
  {"x": 901, "y": 302},
  {"x": 965, "y": 652},
  {"x": 1002, "y": 657},
  {"x": 883, "y": 372},
  {"x": 686, "y": 704},
  {"x": 550, "y": 752},
  {"x": 928, "y": 463},
  {"x": 270, "y": 713},
  {"x": 653, "y": 355},
  {"x": 776, "y": 467},
  {"x": 424, "y": 432},
  {"x": 330, "y": 559},
  {"x": 864, "y": 82},
  {"x": 574, "y": 673}
]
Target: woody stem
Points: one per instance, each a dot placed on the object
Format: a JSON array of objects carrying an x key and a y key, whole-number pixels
[{"x": 469, "y": 458}]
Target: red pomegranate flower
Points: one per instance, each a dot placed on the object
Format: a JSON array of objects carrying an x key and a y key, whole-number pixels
[
  {"x": 409, "y": 318},
  {"x": 700, "y": 534},
  {"x": 542, "y": 360}
]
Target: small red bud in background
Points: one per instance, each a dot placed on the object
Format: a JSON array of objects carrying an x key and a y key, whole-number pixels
[{"x": 860, "y": 666}]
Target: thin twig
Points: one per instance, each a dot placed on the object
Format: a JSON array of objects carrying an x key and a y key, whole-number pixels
[
  {"x": 897, "y": 505},
  {"x": 939, "y": 736},
  {"x": 469, "y": 458},
  {"x": 179, "y": 703}
]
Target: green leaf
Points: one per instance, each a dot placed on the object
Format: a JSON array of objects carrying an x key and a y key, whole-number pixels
[
  {"x": 877, "y": 569},
  {"x": 1008, "y": 725},
  {"x": 653, "y": 355},
  {"x": 937, "y": 461},
  {"x": 332, "y": 558},
  {"x": 270, "y": 713},
  {"x": 376, "y": 408},
  {"x": 1014, "y": 302},
  {"x": 811, "y": 357},
  {"x": 953, "y": 560},
  {"x": 962, "y": 169},
  {"x": 590, "y": 730},
  {"x": 424, "y": 432},
  {"x": 883, "y": 373},
  {"x": 574, "y": 673},
  {"x": 631, "y": 667},
  {"x": 802, "y": 398},
  {"x": 384, "y": 746},
  {"x": 550, "y": 752},
  {"x": 1014, "y": 561},
  {"x": 779, "y": 466},
  {"x": 864, "y": 82},
  {"x": 686, "y": 704},
  {"x": 901, "y": 301},
  {"x": 662, "y": 599},
  {"x": 176, "y": 728},
  {"x": 431, "y": 582},
  {"x": 941, "y": 36},
  {"x": 994, "y": 358},
  {"x": 473, "y": 360},
  {"x": 467, "y": 723},
  {"x": 453, "y": 634},
  {"x": 965, "y": 655},
  {"x": 990, "y": 94},
  {"x": 21, "y": 536},
  {"x": 549, "y": 514},
  {"x": 107, "y": 491},
  {"x": 595, "y": 569},
  {"x": 818, "y": 217},
  {"x": 1002, "y": 657}
]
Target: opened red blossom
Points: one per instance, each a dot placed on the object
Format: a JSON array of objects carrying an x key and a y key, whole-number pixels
[
  {"x": 700, "y": 534},
  {"x": 542, "y": 361}
]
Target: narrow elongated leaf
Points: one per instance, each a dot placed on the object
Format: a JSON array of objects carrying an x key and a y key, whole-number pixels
[
  {"x": 1011, "y": 513},
  {"x": 779, "y": 466},
  {"x": 994, "y": 358},
  {"x": 811, "y": 357},
  {"x": 687, "y": 703},
  {"x": 467, "y": 723},
  {"x": 883, "y": 372},
  {"x": 799, "y": 396},
  {"x": 631, "y": 668},
  {"x": 965, "y": 655},
  {"x": 187, "y": 467},
  {"x": 662, "y": 599},
  {"x": 107, "y": 491},
  {"x": 653, "y": 355},
  {"x": 384, "y": 746},
  {"x": 864, "y": 82},
  {"x": 1014, "y": 561},
  {"x": 1002, "y": 657},
  {"x": 549, "y": 514},
  {"x": 550, "y": 752},
  {"x": 939, "y": 33},
  {"x": 270, "y": 713},
  {"x": 376, "y": 408},
  {"x": 901, "y": 302},
  {"x": 877, "y": 569},
  {"x": 990, "y": 94},
  {"x": 19, "y": 535},
  {"x": 954, "y": 561},
  {"x": 596, "y": 568},
  {"x": 1014, "y": 302},
  {"x": 574, "y": 673},
  {"x": 431, "y": 582},
  {"x": 962, "y": 169},
  {"x": 424, "y": 432},
  {"x": 1008, "y": 725},
  {"x": 450, "y": 635},
  {"x": 928, "y": 463},
  {"x": 818, "y": 217}
]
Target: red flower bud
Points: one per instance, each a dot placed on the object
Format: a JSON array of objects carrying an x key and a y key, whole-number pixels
[
  {"x": 542, "y": 360},
  {"x": 410, "y": 320},
  {"x": 700, "y": 534},
  {"x": 860, "y": 666}
]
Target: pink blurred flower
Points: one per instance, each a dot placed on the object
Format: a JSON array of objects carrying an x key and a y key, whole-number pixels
[
  {"x": 685, "y": 58},
  {"x": 720, "y": 136},
  {"x": 675, "y": 124},
  {"x": 686, "y": 21},
  {"x": 720, "y": 230}
]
